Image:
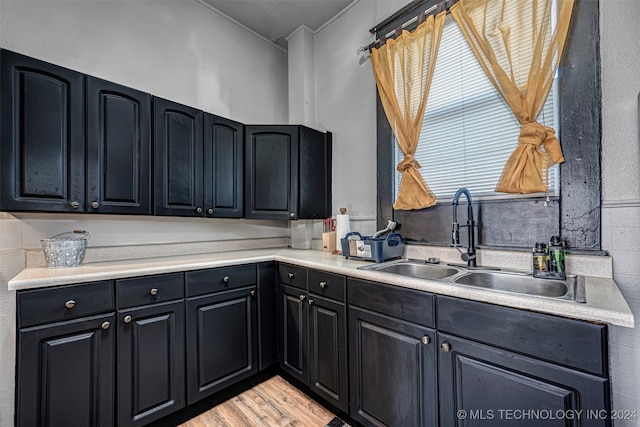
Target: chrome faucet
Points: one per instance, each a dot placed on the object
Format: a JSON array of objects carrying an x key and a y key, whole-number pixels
[{"x": 470, "y": 255}]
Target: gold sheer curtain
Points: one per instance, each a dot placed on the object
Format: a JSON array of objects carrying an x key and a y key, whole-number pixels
[
  {"x": 403, "y": 69},
  {"x": 519, "y": 44}
]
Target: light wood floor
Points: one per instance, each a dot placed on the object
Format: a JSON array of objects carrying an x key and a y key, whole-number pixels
[{"x": 272, "y": 403}]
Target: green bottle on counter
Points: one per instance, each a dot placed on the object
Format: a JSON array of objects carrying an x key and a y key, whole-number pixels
[{"x": 556, "y": 257}]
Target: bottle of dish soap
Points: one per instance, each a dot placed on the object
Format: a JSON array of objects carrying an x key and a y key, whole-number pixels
[
  {"x": 556, "y": 258},
  {"x": 540, "y": 260}
]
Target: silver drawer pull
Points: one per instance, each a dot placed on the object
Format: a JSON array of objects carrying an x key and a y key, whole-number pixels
[
  {"x": 426, "y": 339},
  {"x": 323, "y": 285},
  {"x": 446, "y": 347},
  {"x": 225, "y": 279},
  {"x": 127, "y": 319},
  {"x": 253, "y": 292},
  {"x": 70, "y": 304},
  {"x": 153, "y": 292},
  {"x": 106, "y": 325},
  {"x": 302, "y": 297},
  {"x": 291, "y": 275}
]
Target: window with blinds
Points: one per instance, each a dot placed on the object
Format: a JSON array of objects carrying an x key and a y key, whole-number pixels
[{"x": 468, "y": 131}]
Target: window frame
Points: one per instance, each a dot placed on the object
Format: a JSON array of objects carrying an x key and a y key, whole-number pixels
[{"x": 518, "y": 223}]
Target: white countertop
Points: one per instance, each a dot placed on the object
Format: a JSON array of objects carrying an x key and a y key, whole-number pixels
[{"x": 604, "y": 303}]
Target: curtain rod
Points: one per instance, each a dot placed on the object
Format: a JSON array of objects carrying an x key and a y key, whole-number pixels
[{"x": 420, "y": 18}]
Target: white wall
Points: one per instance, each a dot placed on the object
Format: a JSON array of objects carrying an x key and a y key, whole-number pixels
[
  {"x": 176, "y": 49},
  {"x": 346, "y": 105},
  {"x": 620, "y": 51}
]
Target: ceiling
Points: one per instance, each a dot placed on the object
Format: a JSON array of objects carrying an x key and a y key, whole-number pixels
[{"x": 277, "y": 19}]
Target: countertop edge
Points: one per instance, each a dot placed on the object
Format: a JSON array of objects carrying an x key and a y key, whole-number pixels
[{"x": 607, "y": 304}]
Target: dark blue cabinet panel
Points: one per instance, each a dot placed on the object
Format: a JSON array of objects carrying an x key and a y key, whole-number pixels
[
  {"x": 42, "y": 134},
  {"x": 65, "y": 373},
  {"x": 118, "y": 149}
]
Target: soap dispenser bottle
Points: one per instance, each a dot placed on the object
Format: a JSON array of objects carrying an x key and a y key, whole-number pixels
[
  {"x": 556, "y": 258},
  {"x": 540, "y": 260}
]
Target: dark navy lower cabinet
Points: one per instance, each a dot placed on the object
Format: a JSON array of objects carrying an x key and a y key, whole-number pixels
[
  {"x": 293, "y": 339},
  {"x": 312, "y": 327},
  {"x": 151, "y": 362},
  {"x": 392, "y": 371},
  {"x": 481, "y": 385},
  {"x": 65, "y": 374},
  {"x": 222, "y": 340}
]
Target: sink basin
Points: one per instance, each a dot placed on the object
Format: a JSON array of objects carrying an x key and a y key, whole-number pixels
[
  {"x": 570, "y": 289},
  {"x": 417, "y": 269}
]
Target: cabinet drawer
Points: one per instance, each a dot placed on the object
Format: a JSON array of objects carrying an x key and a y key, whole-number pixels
[
  {"x": 64, "y": 302},
  {"x": 327, "y": 284},
  {"x": 149, "y": 289},
  {"x": 293, "y": 275},
  {"x": 568, "y": 342},
  {"x": 220, "y": 279},
  {"x": 407, "y": 304}
]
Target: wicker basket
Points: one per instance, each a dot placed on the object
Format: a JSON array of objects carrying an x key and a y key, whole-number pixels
[{"x": 66, "y": 249}]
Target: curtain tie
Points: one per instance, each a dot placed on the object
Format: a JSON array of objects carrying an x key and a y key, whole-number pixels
[
  {"x": 408, "y": 163},
  {"x": 536, "y": 134}
]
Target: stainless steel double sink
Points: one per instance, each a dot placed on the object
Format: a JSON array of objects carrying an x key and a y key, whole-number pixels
[{"x": 571, "y": 289}]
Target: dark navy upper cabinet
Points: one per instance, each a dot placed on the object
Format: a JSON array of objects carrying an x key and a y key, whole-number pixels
[
  {"x": 118, "y": 149},
  {"x": 178, "y": 159},
  {"x": 198, "y": 162},
  {"x": 42, "y": 134},
  {"x": 223, "y": 167},
  {"x": 287, "y": 172}
]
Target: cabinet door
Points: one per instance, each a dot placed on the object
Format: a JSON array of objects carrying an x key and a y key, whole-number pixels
[
  {"x": 118, "y": 149},
  {"x": 223, "y": 167},
  {"x": 178, "y": 159},
  {"x": 42, "y": 134},
  {"x": 267, "y": 311},
  {"x": 151, "y": 365},
  {"x": 292, "y": 328},
  {"x": 482, "y": 385},
  {"x": 65, "y": 373},
  {"x": 328, "y": 375},
  {"x": 271, "y": 172},
  {"x": 314, "y": 193},
  {"x": 392, "y": 371},
  {"x": 222, "y": 341}
]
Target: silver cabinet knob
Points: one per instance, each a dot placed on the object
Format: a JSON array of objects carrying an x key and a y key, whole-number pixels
[
  {"x": 310, "y": 301},
  {"x": 426, "y": 339},
  {"x": 127, "y": 319},
  {"x": 75, "y": 205},
  {"x": 209, "y": 211},
  {"x": 199, "y": 210},
  {"x": 95, "y": 205},
  {"x": 225, "y": 279},
  {"x": 292, "y": 215},
  {"x": 446, "y": 347},
  {"x": 70, "y": 304},
  {"x": 323, "y": 285},
  {"x": 105, "y": 325},
  {"x": 153, "y": 292},
  {"x": 302, "y": 297},
  {"x": 291, "y": 275},
  {"x": 253, "y": 292}
]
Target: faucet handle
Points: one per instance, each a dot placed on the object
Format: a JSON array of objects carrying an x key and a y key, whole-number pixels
[{"x": 455, "y": 234}]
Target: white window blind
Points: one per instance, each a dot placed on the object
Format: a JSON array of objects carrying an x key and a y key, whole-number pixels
[{"x": 468, "y": 131}]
